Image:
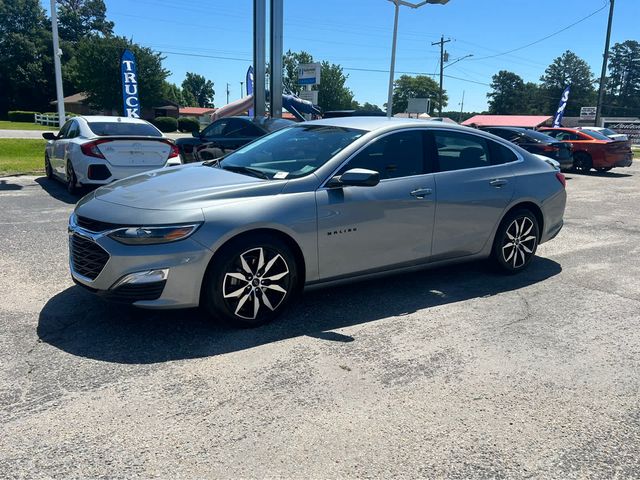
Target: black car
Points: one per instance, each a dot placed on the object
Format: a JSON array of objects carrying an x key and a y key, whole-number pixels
[
  {"x": 536, "y": 142},
  {"x": 225, "y": 135}
]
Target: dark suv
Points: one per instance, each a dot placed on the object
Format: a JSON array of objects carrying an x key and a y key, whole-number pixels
[{"x": 536, "y": 142}]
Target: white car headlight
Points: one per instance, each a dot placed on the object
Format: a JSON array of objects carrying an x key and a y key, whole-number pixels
[{"x": 153, "y": 235}]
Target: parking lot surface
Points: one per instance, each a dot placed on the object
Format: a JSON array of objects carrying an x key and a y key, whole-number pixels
[{"x": 456, "y": 372}]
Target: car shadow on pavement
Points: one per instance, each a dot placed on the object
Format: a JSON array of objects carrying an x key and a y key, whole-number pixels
[
  {"x": 5, "y": 186},
  {"x": 58, "y": 190},
  {"x": 82, "y": 324}
]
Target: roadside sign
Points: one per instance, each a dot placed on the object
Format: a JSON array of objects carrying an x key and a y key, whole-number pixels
[
  {"x": 309, "y": 74},
  {"x": 310, "y": 96},
  {"x": 588, "y": 113},
  {"x": 129, "y": 85},
  {"x": 419, "y": 105}
]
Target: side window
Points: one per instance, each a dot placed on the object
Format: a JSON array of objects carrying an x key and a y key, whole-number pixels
[
  {"x": 460, "y": 151},
  {"x": 64, "y": 131},
  {"x": 215, "y": 129},
  {"x": 551, "y": 133},
  {"x": 74, "y": 130},
  {"x": 241, "y": 129},
  {"x": 501, "y": 154},
  {"x": 396, "y": 155}
]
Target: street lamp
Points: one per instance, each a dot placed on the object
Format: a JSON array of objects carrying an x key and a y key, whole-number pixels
[
  {"x": 57, "y": 53},
  {"x": 397, "y": 3}
]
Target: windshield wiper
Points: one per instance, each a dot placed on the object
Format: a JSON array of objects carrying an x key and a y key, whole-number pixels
[{"x": 254, "y": 172}]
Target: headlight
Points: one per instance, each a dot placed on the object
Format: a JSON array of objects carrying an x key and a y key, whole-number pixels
[{"x": 153, "y": 235}]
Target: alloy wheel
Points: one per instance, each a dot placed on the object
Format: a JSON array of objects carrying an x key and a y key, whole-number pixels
[
  {"x": 258, "y": 283},
  {"x": 519, "y": 242}
]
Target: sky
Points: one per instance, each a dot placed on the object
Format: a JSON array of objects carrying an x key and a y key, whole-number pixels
[{"x": 214, "y": 38}]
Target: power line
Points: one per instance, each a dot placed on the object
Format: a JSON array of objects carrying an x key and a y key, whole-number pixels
[{"x": 547, "y": 37}]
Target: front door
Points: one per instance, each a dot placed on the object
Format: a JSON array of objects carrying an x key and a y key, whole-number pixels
[{"x": 364, "y": 229}]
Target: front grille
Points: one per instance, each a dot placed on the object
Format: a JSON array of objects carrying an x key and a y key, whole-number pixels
[
  {"x": 87, "y": 257},
  {"x": 96, "y": 225}
]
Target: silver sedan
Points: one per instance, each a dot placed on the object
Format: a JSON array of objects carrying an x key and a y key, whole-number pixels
[{"x": 314, "y": 204}]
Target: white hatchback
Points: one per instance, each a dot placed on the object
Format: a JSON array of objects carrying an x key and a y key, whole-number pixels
[{"x": 96, "y": 150}]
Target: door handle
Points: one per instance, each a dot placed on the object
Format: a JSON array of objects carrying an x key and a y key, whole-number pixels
[
  {"x": 498, "y": 182},
  {"x": 421, "y": 192}
]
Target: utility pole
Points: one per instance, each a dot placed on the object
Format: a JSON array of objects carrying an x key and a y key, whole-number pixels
[
  {"x": 241, "y": 89},
  {"x": 227, "y": 93},
  {"x": 57, "y": 53},
  {"x": 441, "y": 43},
  {"x": 605, "y": 59},
  {"x": 461, "y": 107}
]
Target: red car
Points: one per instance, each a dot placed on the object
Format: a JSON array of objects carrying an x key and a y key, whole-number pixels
[{"x": 593, "y": 150}]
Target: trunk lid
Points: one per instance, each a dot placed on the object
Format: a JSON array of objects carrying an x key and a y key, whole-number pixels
[{"x": 135, "y": 151}]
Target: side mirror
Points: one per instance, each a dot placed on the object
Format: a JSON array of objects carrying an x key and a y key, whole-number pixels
[
  {"x": 356, "y": 177},
  {"x": 49, "y": 136}
]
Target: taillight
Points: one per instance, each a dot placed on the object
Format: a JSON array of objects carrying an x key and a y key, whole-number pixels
[
  {"x": 91, "y": 149},
  {"x": 175, "y": 151},
  {"x": 550, "y": 148},
  {"x": 561, "y": 178}
]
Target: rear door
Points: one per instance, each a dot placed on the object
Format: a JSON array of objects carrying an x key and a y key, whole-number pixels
[
  {"x": 363, "y": 229},
  {"x": 475, "y": 183}
]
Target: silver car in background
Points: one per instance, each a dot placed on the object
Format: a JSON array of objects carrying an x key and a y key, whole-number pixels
[{"x": 318, "y": 203}]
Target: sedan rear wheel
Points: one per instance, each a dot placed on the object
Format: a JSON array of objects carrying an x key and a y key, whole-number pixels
[
  {"x": 252, "y": 282},
  {"x": 516, "y": 241},
  {"x": 72, "y": 180}
]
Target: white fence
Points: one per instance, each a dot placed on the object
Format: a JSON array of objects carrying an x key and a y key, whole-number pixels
[{"x": 48, "y": 119}]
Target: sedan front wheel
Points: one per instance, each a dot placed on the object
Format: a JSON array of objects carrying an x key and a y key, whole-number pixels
[
  {"x": 516, "y": 241},
  {"x": 252, "y": 282}
]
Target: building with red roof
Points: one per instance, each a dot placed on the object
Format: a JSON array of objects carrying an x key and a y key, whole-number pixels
[{"x": 524, "y": 121}]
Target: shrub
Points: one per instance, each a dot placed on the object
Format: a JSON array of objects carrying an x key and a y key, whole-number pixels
[
  {"x": 188, "y": 124},
  {"x": 21, "y": 116},
  {"x": 166, "y": 124}
]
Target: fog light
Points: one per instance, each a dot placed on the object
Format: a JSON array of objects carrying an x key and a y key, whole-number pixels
[{"x": 148, "y": 276}]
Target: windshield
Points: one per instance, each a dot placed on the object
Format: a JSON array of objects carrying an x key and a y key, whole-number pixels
[
  {"x": 105, "y": 129},
  {"x": 290, "y": 153},
  {"x": 542, "y": 137}
]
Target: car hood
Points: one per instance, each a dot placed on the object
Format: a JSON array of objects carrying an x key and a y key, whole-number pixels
[{"x": 188, "y": 186}]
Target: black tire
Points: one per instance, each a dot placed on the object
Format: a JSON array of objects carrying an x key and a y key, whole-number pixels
[
  {"x": 237, "y": 280},
  {"x": 72, "y": 180},
  {"x": 582, "y": 162},
  {"x": 516, "y": 241},
  {"x": 603, "y": 169},
  {"x": 47, "y": 167}
]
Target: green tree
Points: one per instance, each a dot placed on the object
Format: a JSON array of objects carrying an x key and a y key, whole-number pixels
[
  {"x": 370, "y": 107},
  {"x": 332, "y": 91},
  {"x": 82, "y": 18},
  {"x": 623, "y": 85},
  {"x": 26, "y": 60},
  {"x": 568, "y": 69},
  {"x": 199, "y": 88},
  {"x": 507, "y": 94},
  {"x": 420, "y": 86},
  {"x": 98, "y": 72}
]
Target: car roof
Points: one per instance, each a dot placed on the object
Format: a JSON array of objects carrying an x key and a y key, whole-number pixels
[
  {"x": 378, "y": 123},
  {"x": 109, "y": 119}
]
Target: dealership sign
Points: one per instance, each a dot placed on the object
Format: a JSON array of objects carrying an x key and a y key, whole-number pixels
[
  {"x": 588, "y": 113},
  {"x": 129, "y": 85},
  {"x": 628, "y": 126},
  {"x": 309, "y": 74}
]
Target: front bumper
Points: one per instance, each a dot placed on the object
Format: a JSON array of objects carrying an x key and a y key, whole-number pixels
[{"x": 184, "y": 261}]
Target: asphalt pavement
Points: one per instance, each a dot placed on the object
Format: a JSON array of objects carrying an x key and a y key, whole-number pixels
[{"x": 450, "y": 373}]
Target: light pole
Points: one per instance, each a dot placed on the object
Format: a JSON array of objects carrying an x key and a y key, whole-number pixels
[
  {"x": 605, "y": 59},
  {"x": 397, "y": 4},
  {"x": 56, "y": 62}
]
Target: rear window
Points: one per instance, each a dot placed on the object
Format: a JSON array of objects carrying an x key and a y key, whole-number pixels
[{"x": 105, "y": 129}]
